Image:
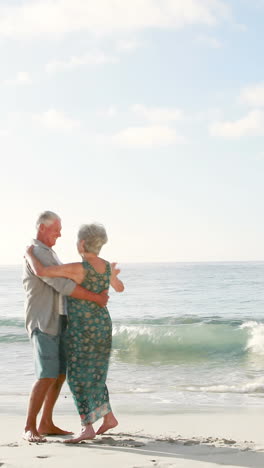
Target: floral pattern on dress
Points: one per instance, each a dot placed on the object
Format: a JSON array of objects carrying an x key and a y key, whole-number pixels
[{"x": 89, "y": 341}]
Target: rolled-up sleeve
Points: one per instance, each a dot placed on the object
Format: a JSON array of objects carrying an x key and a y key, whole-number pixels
[{"x": 63, "y": 286}]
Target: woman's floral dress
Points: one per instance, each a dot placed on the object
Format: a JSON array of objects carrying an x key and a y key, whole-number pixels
[{"x": 89, "y": 339}]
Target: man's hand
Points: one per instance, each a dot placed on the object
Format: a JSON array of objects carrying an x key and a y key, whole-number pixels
[
  {"x": 81, "y": 293},
  {"x": 29, "y": 250},
  {"x": 102, "y": 298}
]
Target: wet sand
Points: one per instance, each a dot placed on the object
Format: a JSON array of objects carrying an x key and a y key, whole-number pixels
[{"x": 182, "y": 440}]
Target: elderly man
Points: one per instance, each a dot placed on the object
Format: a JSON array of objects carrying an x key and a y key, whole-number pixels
[{"x": 46, "y": 324}]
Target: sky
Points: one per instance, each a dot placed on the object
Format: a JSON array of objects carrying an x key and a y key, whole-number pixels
[{"x": 144, "y": 115}]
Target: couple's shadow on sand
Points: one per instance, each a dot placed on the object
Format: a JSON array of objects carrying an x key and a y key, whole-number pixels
[{"x": 219, "y": 451}]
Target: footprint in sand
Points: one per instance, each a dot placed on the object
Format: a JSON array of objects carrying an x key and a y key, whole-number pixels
[
  {"x": 119, "y": 443},
  {"x": 157, "y": 464},
  {"x": 229, "y": 441}
]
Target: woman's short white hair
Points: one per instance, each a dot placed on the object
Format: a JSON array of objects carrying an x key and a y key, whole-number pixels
[
  {"x": 94, "y": 237},
  {"x": 46, "y": 218}
]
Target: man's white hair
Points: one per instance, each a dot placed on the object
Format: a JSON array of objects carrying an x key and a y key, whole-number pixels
[{"x": 47, "y": 218}]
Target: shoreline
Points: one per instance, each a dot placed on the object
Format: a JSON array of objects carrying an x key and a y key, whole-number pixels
[{"x": 195, "y": 439}]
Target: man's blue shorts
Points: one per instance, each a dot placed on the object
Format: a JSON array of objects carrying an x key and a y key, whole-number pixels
[{"x": 49, "y": 354}]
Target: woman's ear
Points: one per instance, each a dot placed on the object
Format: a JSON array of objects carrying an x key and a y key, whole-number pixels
[{"x": 82, "y": 250}]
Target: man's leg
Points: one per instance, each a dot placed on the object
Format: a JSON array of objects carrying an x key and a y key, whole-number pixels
[
  {"x": 46, "y": 425},
  {"x": 50, "y": 379},
  {"x": 37, "y": 397}
]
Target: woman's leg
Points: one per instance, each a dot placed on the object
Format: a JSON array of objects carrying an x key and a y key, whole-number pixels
[
  {"x": 109, "y": 423},
  {"x": 87, "y": 433}
]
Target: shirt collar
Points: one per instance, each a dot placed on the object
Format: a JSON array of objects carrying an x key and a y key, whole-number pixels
[{"x": 38, "y": 243}]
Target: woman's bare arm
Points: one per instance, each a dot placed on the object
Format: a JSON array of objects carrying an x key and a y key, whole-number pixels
[
  {"x": 115, "y": 282},
  {"x": 73, "y": 271}
]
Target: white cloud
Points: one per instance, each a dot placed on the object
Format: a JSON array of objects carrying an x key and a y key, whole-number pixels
[
  {"x": 3, "y": 133},
  {"x": 56, "y": 120},
  {"x": 253, "y": 95},
  {"x": 109, "y": 112},
  {"x": 207, "y": 115},
  {"x": 22, "y": 78},
  {"x": 155, "y": 135},
  {"x": 209, "y": 41},
  {"x": 241, "y": 27},
  {"x": 92, "y": 58},
  {"x": 126, "y": 45},
  {"x": 250, "y": 125},
  {"x": 157, "y": 114},
  {"x": 33, "y": 18}
]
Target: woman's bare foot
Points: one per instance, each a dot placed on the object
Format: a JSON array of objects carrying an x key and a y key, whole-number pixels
[
  {"x": 33, "y": 436},
  {"x": 109, "y": 423},
  {"x": 87, "y": 433},
  {"x": 51, "y": 429}
]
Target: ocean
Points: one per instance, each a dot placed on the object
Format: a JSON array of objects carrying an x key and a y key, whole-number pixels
[{"x": 186, "y": 336}]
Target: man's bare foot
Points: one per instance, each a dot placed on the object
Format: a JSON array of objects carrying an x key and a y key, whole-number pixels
[
  {"x": 109, "y": 423},
  {"x": 87, "y": 433},
  {"x": 51, "y": 429},
  {"x": 33, "y": 436}
]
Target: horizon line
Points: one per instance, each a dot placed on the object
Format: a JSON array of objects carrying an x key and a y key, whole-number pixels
[{"x": 160, "y": 262}]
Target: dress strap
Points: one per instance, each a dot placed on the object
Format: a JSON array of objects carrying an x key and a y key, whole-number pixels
[{"x": 108, "y": 269}]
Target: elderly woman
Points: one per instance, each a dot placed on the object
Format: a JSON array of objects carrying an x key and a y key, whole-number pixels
[{"x": 89, "y": 329}]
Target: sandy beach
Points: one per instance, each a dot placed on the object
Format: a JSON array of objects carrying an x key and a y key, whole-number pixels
[
  {"x": 182, "y": 440},
  {"x": 133, "y": 131},
  {"x": 187, "y": 389}
]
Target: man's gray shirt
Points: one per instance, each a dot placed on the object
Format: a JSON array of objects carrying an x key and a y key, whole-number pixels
[{"x": 44, "y": 295}]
